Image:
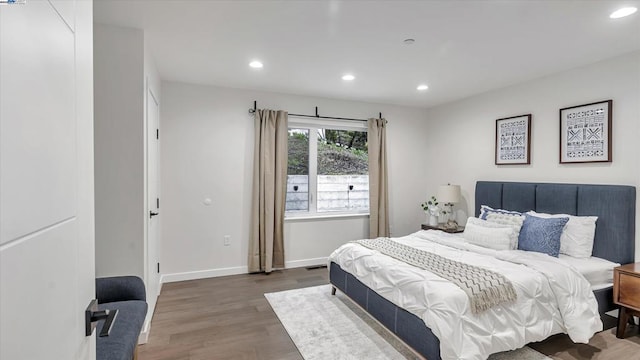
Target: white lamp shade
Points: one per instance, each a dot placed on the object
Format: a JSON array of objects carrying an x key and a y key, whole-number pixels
[{"x": 449, "y": 193}]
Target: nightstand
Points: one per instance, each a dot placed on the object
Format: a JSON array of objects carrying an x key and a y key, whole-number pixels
[
  {"x": 626, "y": 293},
  {"x": 441, "y": 228}
]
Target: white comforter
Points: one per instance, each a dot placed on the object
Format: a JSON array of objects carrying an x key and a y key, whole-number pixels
[{"x": 552, "y": 297}]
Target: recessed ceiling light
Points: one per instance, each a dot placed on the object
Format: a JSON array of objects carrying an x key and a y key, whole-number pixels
[
  {"x": 422, "y": 87},
  {"x": 256, "y": 64},
  {"x": 626, "y": 11},
  {"x": 409, "y": 41},
  {"x": 348, "y": 77}
]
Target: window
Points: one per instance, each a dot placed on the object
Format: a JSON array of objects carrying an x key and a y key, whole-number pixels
[
  {"x": 298, "y": 171},
  {"x": 327, "y": 170}
]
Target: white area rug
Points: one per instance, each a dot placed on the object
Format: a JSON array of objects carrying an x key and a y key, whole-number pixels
[{"x": 332, "y": 327}]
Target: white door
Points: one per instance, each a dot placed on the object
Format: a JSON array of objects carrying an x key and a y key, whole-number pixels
[
  {"x": 47, "y": 273},
  {"x": 153, "y": 200}
]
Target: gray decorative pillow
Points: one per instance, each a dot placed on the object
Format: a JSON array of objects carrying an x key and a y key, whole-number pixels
[{"x": 541, "y": 235}]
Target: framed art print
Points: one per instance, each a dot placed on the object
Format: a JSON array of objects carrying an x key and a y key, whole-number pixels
[
  {"x": 585, "y": 133},
  {"x": 513, "y": 140}
]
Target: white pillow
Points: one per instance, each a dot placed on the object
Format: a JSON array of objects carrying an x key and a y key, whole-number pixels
[
  {"x": 504, "y": 217},
  {"x": 490, "y": 235},
  {"x": 577, "y": 237}
]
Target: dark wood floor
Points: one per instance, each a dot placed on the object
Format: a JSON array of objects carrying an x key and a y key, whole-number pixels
[
  {"x": 224, "y": 318},
  {"x": 229, "y": 318}
]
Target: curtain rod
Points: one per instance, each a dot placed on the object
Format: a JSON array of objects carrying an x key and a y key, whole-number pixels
[{"x": 255, "y": 107}]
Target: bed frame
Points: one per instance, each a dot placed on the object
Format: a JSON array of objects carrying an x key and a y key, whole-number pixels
[{"x": 615, "y": 206}]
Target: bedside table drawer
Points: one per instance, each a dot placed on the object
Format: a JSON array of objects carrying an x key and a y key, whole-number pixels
[{"x": 629, "y": 290}]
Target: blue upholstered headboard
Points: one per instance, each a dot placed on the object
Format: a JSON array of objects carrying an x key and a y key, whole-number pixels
[{"x": 614, "y": 205}]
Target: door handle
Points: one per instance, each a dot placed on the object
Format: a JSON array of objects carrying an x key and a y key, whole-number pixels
[
  {"x": 152, "y": 214},
  {"x": 93, "y": 315}
]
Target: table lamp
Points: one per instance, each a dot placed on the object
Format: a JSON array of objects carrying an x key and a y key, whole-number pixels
[{"x": 449, "y": 194}]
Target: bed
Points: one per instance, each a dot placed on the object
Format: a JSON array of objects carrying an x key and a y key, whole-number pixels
[{"x": 614, "y": 241}]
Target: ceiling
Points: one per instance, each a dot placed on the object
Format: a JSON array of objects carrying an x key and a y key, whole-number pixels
[{"x": 461, "y": 48}]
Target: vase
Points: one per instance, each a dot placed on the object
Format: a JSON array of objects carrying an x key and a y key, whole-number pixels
[{"x": 433, "y": 220}]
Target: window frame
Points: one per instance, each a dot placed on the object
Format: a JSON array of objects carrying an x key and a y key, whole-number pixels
[{"x": 313, "y": 125}]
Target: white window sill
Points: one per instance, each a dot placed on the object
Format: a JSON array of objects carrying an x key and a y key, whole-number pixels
[{"x": 307, "y": 217}]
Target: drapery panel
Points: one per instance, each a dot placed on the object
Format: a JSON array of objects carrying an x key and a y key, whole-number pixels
[
  {"x": 266, "y": 243},
  {"x": 378, "y": 184}
]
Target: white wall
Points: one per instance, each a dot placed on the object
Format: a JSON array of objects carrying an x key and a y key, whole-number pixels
[
  {"x": 207, "y": 152},
  {"x": 466, "y": 130},
  {"x": 123, "y": 73},
  {"x": 119, "y": 161}
]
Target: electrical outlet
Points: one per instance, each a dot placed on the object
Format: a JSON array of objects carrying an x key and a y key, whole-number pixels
[{"x": 227, "y": 240}]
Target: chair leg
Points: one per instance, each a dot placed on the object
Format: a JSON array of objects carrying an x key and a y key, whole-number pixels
[{"x": 333, "y": 290}]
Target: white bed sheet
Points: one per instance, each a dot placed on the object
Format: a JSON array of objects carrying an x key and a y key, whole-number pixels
[
  {"x": 597, "y": 271},
  {"x": 552, "y": 296}
]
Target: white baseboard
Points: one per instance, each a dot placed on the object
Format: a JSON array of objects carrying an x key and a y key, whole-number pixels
[
  {"x": 144, "y": 334},
  {"x": 146, "y": 326},
  {"x": 305, "y": 262},
  {"x": 203, "y": 274}
]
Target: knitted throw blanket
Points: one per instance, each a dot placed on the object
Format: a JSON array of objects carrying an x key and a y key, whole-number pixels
[{"x": 485, "y": 288}]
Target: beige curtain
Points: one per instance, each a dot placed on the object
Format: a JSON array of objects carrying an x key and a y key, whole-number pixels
[
  {"x": 266, "y": 243},
  {"x": 378, "y": 192}
]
